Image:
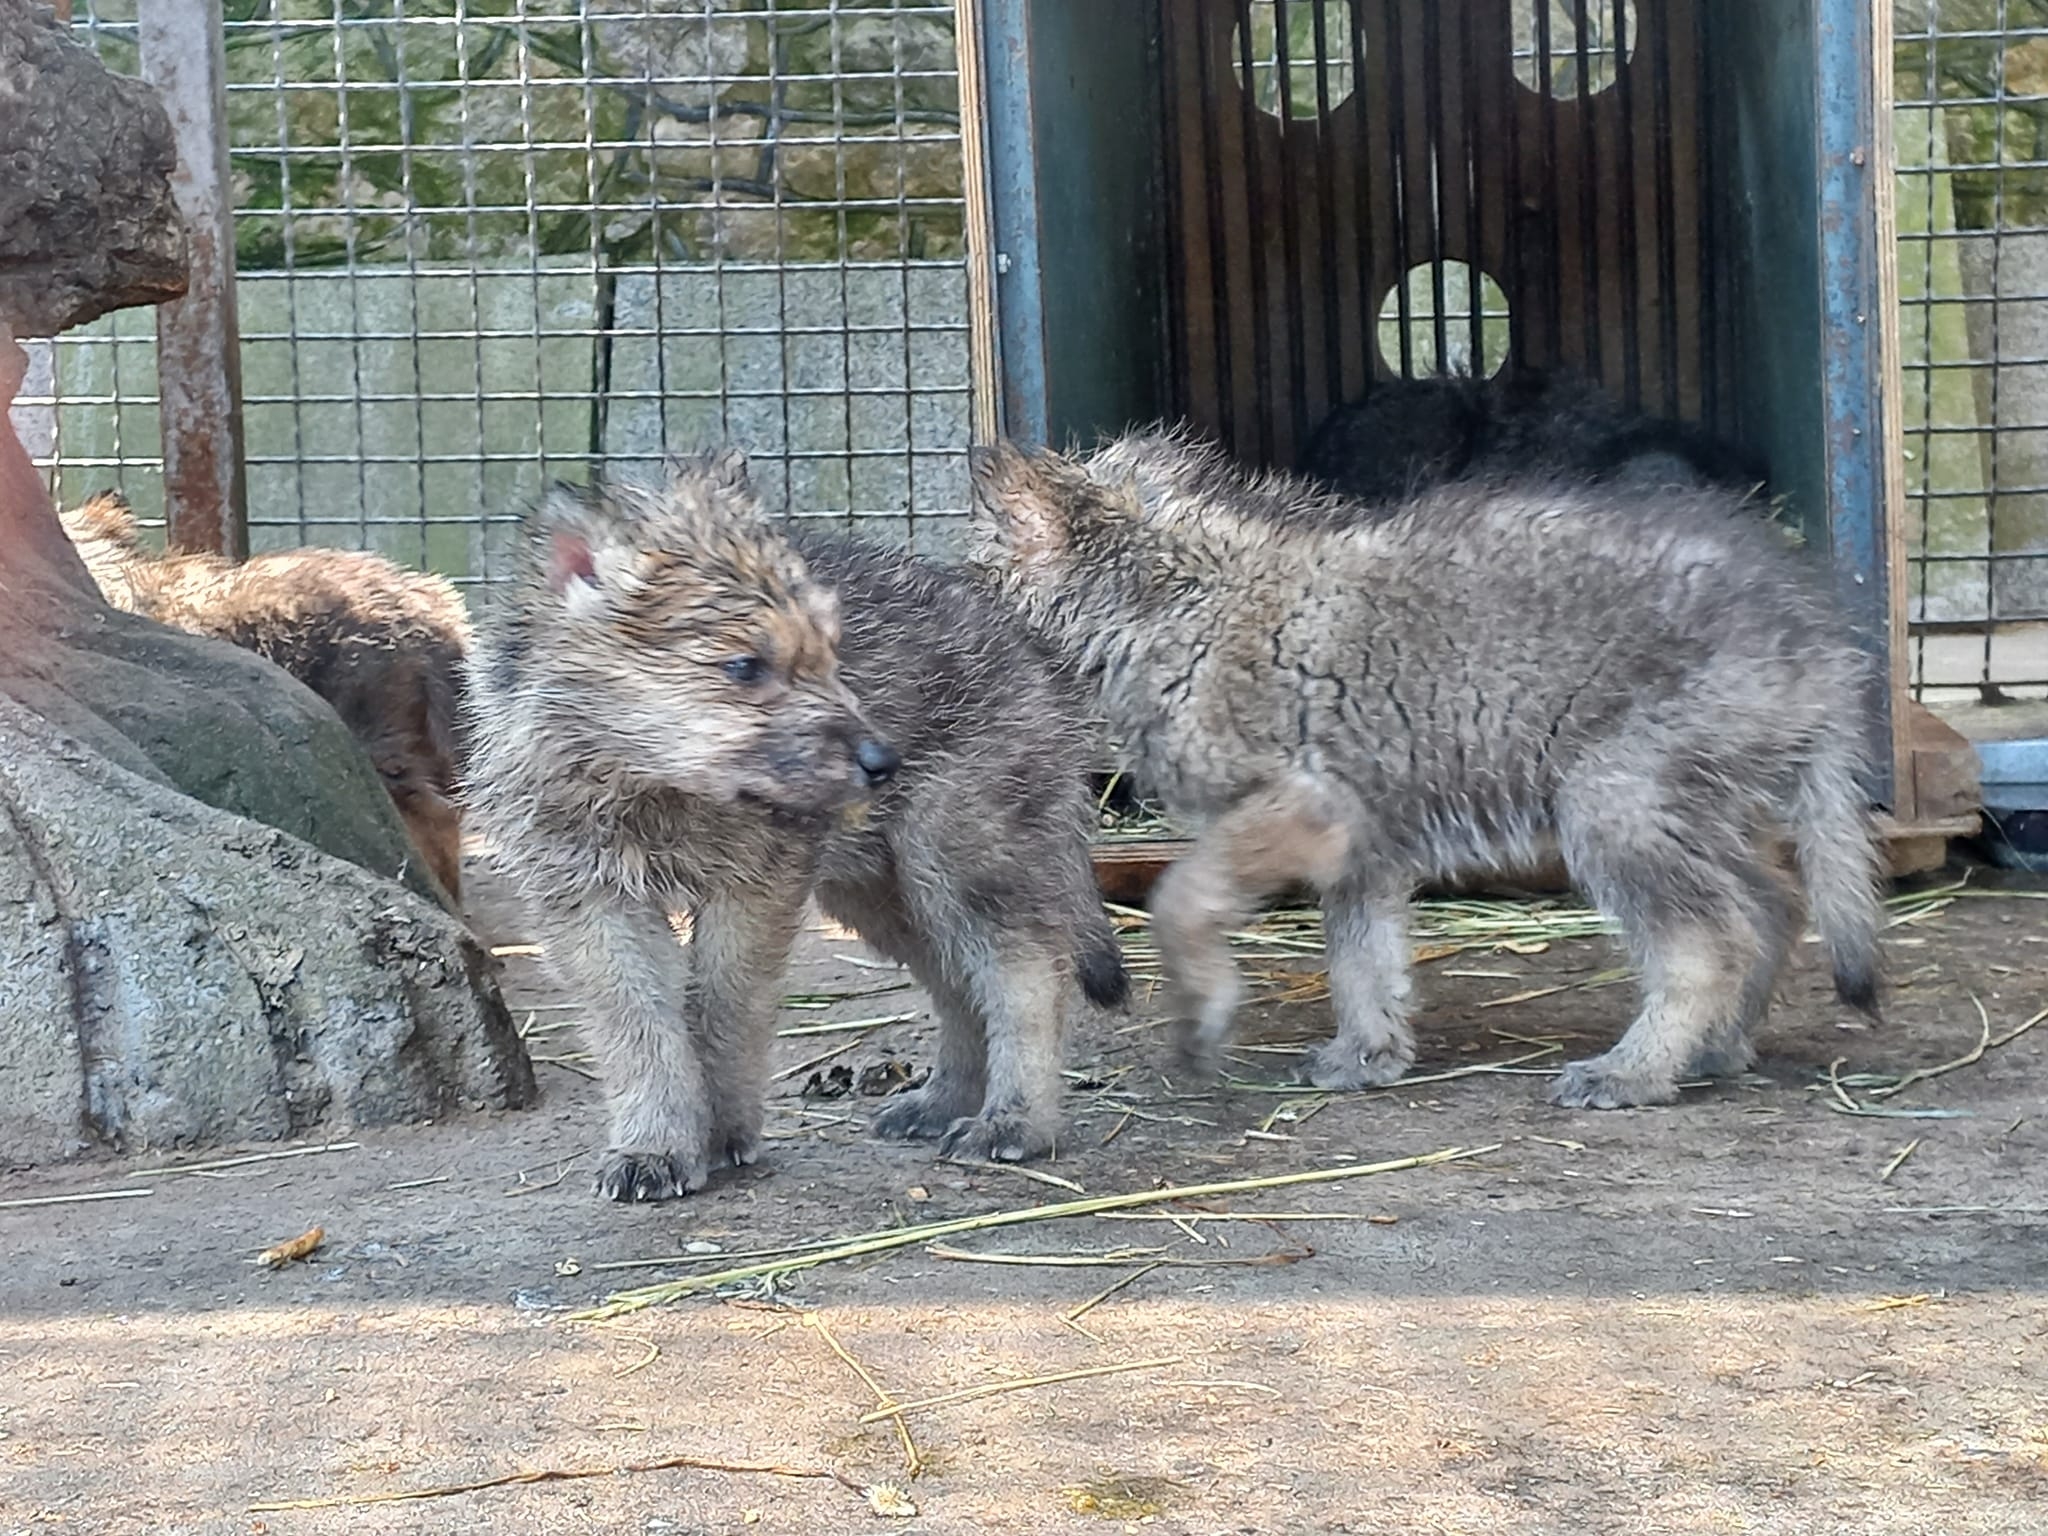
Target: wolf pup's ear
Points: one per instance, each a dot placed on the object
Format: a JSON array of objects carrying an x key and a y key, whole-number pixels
[
  {"x": 580, "y": 548},
  {"x": 712, "y": 490},
  {"x": 727, "y": 469},
  {"x": 1023, "y": 500}
]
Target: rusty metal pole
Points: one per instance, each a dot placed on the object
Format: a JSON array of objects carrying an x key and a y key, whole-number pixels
[{"x": 198, "y": 339}]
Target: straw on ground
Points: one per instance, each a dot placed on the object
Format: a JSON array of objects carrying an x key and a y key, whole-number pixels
[{"x": 623, "y": 1302}]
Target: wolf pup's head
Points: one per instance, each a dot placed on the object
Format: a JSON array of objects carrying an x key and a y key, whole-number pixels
[
  {"x": 1063, "y": 543},
  {"x": 686, "y": 645}
]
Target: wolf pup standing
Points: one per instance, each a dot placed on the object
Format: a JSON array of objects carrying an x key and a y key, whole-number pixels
[
  {"x": 1480, "y": 678},
  {"x": 678, "y": 709}
]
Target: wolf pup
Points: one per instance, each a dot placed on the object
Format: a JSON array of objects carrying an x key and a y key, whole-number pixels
[
  {"x": 678, "y": 709},
  {"x": 1409, "y": 434},
  {"x": 1482, "y": 677},
  {"x": 381, "y": 644}
]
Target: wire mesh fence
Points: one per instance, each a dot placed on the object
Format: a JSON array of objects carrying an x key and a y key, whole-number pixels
[
  {"x": 482, "y": 244},
  {"x": 485, "y": 243},
  {"x": 1972, "y": 131}
]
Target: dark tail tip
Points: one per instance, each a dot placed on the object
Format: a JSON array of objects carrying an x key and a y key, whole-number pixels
[
  {"x": 1104, "y": 981},
  {"x": 1857, "y": 986}
]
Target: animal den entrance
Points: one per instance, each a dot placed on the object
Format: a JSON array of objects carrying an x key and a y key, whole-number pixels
[
  {"x": 1679, "y": 200},
  {"x": 1359, "y": 191}
]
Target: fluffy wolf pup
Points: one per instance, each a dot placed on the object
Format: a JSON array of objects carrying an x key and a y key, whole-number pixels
[
  {"x": 1409, "y": 434},
  {"x": 679, "y": 709},
  {"x": 1482, "y": 677},
  {"x": 383, "y": 645}
]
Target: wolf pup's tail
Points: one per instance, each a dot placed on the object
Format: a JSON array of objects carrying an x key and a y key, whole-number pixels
[
  {"x": 1836, "y": 848},
  {"x": 1099, "y": 964}
]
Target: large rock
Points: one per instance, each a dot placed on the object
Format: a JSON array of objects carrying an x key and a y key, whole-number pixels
[
  {"x": 205, "y": 717},
  {"x": 173, "y": 972},
  {"x": 173, "y": 975},
  {"x": 86, "y": 218}
]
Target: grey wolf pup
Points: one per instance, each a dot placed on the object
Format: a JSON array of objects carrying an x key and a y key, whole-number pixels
[
  {"x": 381, "y": 644},
  {"x": 680, "y": 710},
  {"x": 1483, "y": 677},
  {"x": 1406, "y": 435}
]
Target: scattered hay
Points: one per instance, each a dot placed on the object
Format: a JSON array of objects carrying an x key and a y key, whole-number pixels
[
  {"x": 556, "y": 1475},
  {"x": 625, "y": 1302},
  {"x": 1018, "y": 1384},
  {"x": 1885, "y": 1085}
]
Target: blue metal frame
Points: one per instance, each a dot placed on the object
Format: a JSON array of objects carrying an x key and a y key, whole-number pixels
[
  {"x": 1853, "y": 358},
  {"x": 1013, "y": 194}
]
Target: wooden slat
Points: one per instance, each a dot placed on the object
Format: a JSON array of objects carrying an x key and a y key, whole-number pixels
[
  {"x": 1892, "y": 512},
  {"x": 1127, "y": 869},
  {"x": 983, "y": 361}
]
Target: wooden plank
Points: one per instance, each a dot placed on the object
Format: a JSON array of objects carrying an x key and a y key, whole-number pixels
[
  {"x": 1940, "y": 768},
  {"x": 1887, "y": 357},
  {"x": 198, "y": 338},
  {"x": 1126, "y": 870},
  {"x": 984, "y": 361}
]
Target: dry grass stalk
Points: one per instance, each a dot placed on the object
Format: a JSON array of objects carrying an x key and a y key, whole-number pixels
[
  {"x": 913, "y": 1463},
  {"x": 1969, "y": 1059},
  {"x": 1878, "y": 1085},
  {"x": 843, "y": 1026},
  {"x": 1898, "y": 1160},
  {"x": 1120, "y": 1257},
  {"x": 248, "y": 1160},
  {"x": 1036, "y": 1175},
  {"x": 1254, "y": 1216},
  {"x": 1075, "y": 1314},
  {"x": 668, "y": 1260},
  {"x": 31, "y": 1202},
  {"x": 625, "y": 1302},
  {"x": 1020, "y": 1384},
  {"x": 555, "y": 1475},
  {"x": 1514, "y": 1066},
  {"x": 1113, "y": 1258}
]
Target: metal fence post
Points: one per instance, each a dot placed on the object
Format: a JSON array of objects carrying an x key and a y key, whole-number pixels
[{"x": 199, "y": 368}]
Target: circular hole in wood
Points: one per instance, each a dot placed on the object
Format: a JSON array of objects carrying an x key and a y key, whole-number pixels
[
  {"x": 1319, "y": 70},
  {"x": 1443, "y": 291},
  {"x": 1558, "y": 43}
]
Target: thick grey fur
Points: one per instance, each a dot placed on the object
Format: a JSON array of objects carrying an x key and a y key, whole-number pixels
[
  {"x": 1486, "y": 675},
  {"x": 623, "y": 775}
]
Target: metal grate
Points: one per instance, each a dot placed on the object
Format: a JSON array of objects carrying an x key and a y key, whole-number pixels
[
  {"x": 1364, "y": 189},
  {"x": 1972, "y": 131},
  {"x": 482, "y": 245}
]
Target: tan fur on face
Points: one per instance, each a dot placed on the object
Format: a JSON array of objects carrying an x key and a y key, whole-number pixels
[{"x": 657, "y": 592}]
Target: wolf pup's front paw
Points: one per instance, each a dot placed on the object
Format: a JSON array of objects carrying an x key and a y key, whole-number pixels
[
  {"x": 1596, "y": 1084},
  {"x": 997, "y": 1136},
  {"x": 922, "y": 1114},
  {"x": 1342, "y": 1066},
  {"x": 649, "y": 1176}
]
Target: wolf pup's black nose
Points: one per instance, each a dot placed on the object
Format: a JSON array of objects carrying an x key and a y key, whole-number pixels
[{"x": 877, "y": 759}]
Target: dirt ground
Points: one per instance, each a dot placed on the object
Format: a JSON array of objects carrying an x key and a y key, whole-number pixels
[{"x": 1723, "y": 1316}]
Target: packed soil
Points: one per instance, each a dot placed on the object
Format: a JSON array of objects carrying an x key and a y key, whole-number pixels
[{"x": 1753, "y": 1311}]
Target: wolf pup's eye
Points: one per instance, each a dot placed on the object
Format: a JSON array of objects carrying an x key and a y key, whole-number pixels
[{"x": 745, "y": 670}]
